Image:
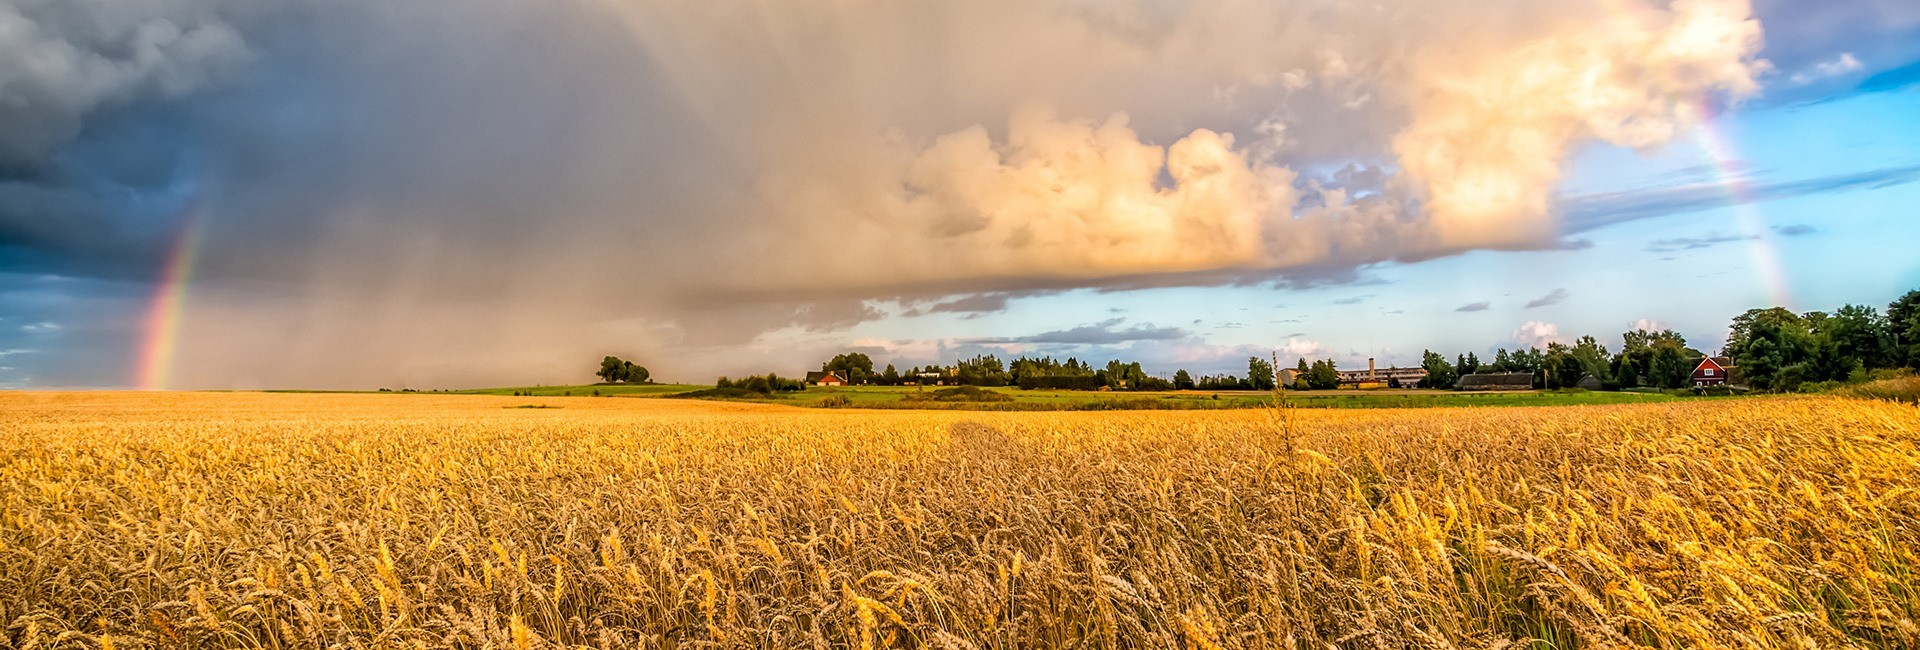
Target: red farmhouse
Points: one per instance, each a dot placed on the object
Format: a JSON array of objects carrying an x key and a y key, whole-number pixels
[
  {"x": 824, "y": 378},
  {"x": 1709, "y": 373}
]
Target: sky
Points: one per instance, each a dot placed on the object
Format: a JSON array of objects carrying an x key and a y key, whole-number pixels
[{"x": 221, "y": 194}]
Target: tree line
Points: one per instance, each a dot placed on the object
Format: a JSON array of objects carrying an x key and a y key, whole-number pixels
[
  {"x": 1044, "y": 372},
  {"x": 1772, "y": 349}
]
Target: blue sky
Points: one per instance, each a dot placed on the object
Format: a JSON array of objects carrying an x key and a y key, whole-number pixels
[{"x": 507, "y": 197}]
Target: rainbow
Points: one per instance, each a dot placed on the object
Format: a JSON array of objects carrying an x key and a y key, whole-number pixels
[
  {"x": 1763, "y": 253},
  {"x": 168, "y": 308}
]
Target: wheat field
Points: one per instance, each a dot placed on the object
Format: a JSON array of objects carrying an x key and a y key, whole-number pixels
[{"x": 374, "y": 521}]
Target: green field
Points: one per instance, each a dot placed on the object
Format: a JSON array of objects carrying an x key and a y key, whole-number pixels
[
  {"x": 898, "y": 397},
  {"x": 588, "y": 390},
  {"x": 902, "y": 397}
]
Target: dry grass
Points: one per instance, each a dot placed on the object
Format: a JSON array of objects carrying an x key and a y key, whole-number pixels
[
  {"x": 241, "y": 520},
  {"x": 1905, "y": 388}
]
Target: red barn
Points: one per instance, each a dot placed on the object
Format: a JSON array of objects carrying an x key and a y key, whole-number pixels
[
  {"x": 824, "y": 378},
  {"x": 1710, "y": 372}
]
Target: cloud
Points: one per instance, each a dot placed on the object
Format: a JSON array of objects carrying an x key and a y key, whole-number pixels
[
  {"x": 1106, "y": 332},
  {"x": 1554, "y": 297},
  {"x": 1590, "y": 211},
  {"x": 63, "y": 62},
  {"x": 974, "y": 305},
  {"x": 1477, "y": 306},
  {"x": 1648, "y": 324},
  {"x": 1537, "y": 334},
  {"x": 1804, "y": 37},
  {"x": 1353, "y": 300},
  {"x": 42, "y": 327},
  {"x": 1694, "y": 243},
  {"x": 1843, "y": 63},
  {"x": 409, "y": 179},
  {"x": 1795, "y": 230},
  {"x": 1298, "y": 347}
]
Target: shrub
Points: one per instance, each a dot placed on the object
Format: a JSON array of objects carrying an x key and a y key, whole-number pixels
[
  {"x": 1060, "y": 382},
  {"x": 756, "y": 384},
  {"x": 959, "y": 394},
  {"x": 731, "y": 392}
]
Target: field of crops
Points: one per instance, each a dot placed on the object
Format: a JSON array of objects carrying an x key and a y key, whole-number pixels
[{"x": 289, "y": 520}]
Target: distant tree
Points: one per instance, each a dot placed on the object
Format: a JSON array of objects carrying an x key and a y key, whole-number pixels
[
  {"x": 1323, "y": 375},
  {"x": 1771, "y": 345},
  {"x": 854, "y": 366},
  {"x": 1503, "y": 362},
  {"x": 1560, "y": 368},
  {"x": 982, "y": 370},
  {"x": 1259, "y": 373},
  {"x": 1670, "y": 365},
  {"x": 1593, "y": 359},
  {"x": 1625, "y": 377},
  {"x": 612, "y": 369},
  {"x": 890, "y": 377},
  {"x": 1150, "y": 382},
  {"x": 634, "y": 373},
  {"x": 1468, "y": 364},
  {"x": 1182, "y": 380},
  {"x": 1440, "y": 374},
  {"x": 755, "y": 383},
  {"x": 1859, "y": 332},
  {"x": 1903, "y": 329},
  {"x": 1532, "y": 361}
]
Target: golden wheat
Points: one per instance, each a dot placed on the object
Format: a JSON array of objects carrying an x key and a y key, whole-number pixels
[{"x": 362, "y": 521}]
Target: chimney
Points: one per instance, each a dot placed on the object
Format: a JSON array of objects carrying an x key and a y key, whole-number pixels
[{"x": 1370, "y": 374}]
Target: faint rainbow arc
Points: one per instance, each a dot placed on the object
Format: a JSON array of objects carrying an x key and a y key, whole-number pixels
[
  {"x": 1762, "y": 252},
  {"x": 167, "y": 309}
]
